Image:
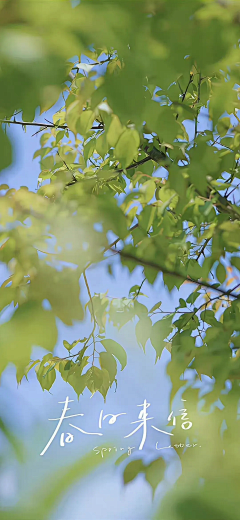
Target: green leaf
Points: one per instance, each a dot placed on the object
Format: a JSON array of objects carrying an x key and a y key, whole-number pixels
[
  {"x": 68, "y": 365},
  {"x": 127, "y": 147},
  {"x": 160, "y": 331},
  {"x": 172, "y": 281},
  {"x": 6, "y": 150},
  {"x": 166, "y": 126},
  {"x": 67, "y": 345},
  {"x": 154, "y": 473},
  {"x": 23, "y": 370},
  {"x": 134, "y": 289},
  {"x": 64, "y": 368},
  {"x": 143, "y": 331},
  {"x": 85, "y": 121},
  {"x": 78, "y": 381},
  {"x": 81, "y": 353},
  {"x": 155, "y": 307},
  {"x": 183, "y": 320},
  {"x": 46, "y": 377},
  {"x": 146, "y": 217},
  {"x": 147, "y": 191},
  {"x": 114, "y": 131},
  {"x": 223, "y": 126},
  {"x": 194, "y": 269},
  {"x": 46, "y": 358},
  {"x": 47, "y": 163},
  {"x": 151, "y": 274},
  {"x": 59, "y": 136},
  {"x": 182, "y": 302},
  {"x": 45, "y": 138},
  {"x": 95, "y": 379},
  {"x": 89, "y": 149},
  {"x": 221, "y": 100},
  {"x": 108, "y": 362},
  {"x": 140, "y": 309},
  {"x": 102, "y": 148},
  {"x": 105, "y": 383},
  {"x": 112, "y": 347},
  {"x": 221, "y": 273},
  {"x": 30, "y": 326},
  {"x": 7, "y": 295},
  {"x": 132, "y": 470},
  {"x": 208, "y": 316},
  {"x": 193, "y": 296},
  {"x": 72, "y": 115}
]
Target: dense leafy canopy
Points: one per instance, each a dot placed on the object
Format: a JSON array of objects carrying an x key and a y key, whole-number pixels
[{"x": 142, "y": 160}]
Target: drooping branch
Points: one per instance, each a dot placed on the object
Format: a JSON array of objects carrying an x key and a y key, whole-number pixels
[{"x": 177, "y": 274}]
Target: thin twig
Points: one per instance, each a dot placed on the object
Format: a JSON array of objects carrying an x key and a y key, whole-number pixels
[
  {"x": 68, "y": 167},
  {"x": 235, "y": 187},
  {"x": 187, "y": 87},
  {"x": 193, "y": 313},
  {"x": 95, "y": 64},
  {"x": 139, "y": 289},
  {"x": 203, "y": 247},
  {"x": 64, "y": 162}
]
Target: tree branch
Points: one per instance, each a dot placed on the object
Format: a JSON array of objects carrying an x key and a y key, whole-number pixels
[
  {"x": 187, "y": 87},
  {"x": 96, "y": 63},
  {"x": 46, "y": 125},
  {"x": 134, "y": 165},
  {"x": 147, "y": 263},
  {"x": 203, "y": 248},
  {"x": 183, "y": 94}
]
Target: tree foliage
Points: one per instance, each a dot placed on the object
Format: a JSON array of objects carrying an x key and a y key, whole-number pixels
[{"x": 141, "y": 160}]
